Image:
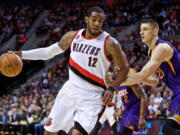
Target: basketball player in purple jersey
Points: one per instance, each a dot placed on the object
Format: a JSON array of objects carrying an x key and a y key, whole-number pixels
[
  {"x": 134, "y": 100},
  {"x": 165, "y": 63}
]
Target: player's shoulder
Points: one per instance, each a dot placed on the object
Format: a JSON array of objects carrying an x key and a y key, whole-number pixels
[
  {"x": 163, "y": 52},
  {"x": 68, "y": 37},
  {"x": 164, "y": 47},
  {"x": 70, "y": 33},
  {"x": 112, "y": 41}
]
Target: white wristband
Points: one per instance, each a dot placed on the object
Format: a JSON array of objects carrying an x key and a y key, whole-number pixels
[{"x": 42, "y": 53}]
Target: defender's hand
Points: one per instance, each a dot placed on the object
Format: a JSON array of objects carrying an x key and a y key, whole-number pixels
[{"x": 107, "y": 97}]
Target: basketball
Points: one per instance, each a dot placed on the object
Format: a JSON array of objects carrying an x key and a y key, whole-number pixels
[{"x": 10, "y": 64}]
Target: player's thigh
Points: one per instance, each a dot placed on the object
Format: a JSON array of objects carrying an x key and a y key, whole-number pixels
[
  {"x": 62, "y": 113},
  {"x": 87, "y": 114}
]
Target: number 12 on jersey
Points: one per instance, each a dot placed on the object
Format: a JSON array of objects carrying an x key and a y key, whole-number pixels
[{"x": 92, "y": 62}]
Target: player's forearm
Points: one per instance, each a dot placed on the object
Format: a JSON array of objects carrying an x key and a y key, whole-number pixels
[
  {"x": 143, "y": 107},
  {"x": 135, "y": 79},
  {"x": 42, "y": 53},
  {"x": 120, "y": 77},
  {"x": 151, "y": 81}
]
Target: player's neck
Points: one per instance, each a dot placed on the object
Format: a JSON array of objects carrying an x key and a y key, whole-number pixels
[
  {"x": 88, "y": 34},
  {"x": 152, "y": 44}
]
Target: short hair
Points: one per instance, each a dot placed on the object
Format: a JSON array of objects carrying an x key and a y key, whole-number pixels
[
  {"x": 152, "y": 22},
  {"x": 94, "y": 9}
]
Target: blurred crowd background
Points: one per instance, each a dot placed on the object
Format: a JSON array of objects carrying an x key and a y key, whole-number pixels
[{"x": 26, "y": 100}]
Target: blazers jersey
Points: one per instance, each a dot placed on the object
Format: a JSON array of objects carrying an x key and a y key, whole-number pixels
[{"x": 88, "y": 62}]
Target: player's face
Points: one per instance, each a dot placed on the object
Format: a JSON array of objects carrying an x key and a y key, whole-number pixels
[
  {"x": 95, "y": 22},
  {"x": 147, "y": 33}
]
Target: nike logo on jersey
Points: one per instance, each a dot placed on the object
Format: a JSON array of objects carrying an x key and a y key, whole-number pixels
[
  {"x": 88, "y": 49},
  {"x": 123, "y": 92}
]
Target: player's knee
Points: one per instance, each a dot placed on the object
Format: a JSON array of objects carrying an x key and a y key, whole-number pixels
[
  {"x": 79, "y": 130},
  {"x": 50, "y": 133}
]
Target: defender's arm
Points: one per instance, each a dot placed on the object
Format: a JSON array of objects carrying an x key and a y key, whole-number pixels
[
  {"x": 139, "y": 92},
  {"x": 161, "y": 53}
]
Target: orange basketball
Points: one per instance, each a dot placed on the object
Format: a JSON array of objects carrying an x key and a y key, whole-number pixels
[{"x": 10, "y": 64}]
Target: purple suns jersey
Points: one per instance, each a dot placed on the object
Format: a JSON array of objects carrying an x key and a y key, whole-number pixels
[
  {"x": 129, "y": 99},
  {"x": 169, "y": 72}
]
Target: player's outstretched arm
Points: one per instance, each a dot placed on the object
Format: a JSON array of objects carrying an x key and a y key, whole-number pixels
[
  {"x": 139, "y": 92},
  {"x": 48, "y": 52},
  {"x": 152, "y": 80},
  {"x": 162, "y": 53},
  {"x": 114, "y": 51}
]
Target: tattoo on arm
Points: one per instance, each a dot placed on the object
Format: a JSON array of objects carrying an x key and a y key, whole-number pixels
[{"x": 65, "y": 41}]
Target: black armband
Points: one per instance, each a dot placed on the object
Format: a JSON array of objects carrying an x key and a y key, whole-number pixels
[{"x": 110, "y": 88}]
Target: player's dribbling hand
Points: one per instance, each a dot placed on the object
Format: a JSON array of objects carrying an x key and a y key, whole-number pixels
[
  {"x": 107, "y": 97},
  {"x": 142, "y": 123}
]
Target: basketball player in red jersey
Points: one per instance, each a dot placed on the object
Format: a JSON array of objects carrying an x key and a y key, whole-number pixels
[{"x": 80, "y": 100}]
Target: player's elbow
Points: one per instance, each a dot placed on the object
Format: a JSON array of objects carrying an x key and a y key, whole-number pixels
[{"x": 155, "y": 82}]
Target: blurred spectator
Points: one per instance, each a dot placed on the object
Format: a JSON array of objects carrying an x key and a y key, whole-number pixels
[
  {"x": 158, "y": 99},
  {"x": 152, "y": 105},
  {"x": 166, "y": 98},
  {"x": 151, "y": 114},
  {"x": 39, "y": 128}
]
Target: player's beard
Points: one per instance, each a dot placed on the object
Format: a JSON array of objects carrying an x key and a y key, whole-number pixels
[{"x": 89, "y": 30}]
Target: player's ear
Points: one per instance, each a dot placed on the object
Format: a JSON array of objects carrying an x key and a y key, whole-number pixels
[
  {"x": 156, "y": 30},
  {"x": 86, "y": 19}
]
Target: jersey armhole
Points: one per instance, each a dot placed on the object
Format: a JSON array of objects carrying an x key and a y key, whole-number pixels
[
  {"x": 105, "y": 53},
  {"x": 74, "y": 37}
]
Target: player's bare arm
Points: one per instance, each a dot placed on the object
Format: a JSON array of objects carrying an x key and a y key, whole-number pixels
[
  {"x": 108, "y": 78},
  {"x": 48, "y": 52},
  {"x": 162, "y": 53},
  {"x": 139, "y": 92},
  {"x": 113, "y": 50},
  {"x": 152, "y": 80},
  {"x": 65, "y": 41}
]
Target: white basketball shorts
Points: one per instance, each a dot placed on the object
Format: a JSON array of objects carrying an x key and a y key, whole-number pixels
[
  {"x": 74, "y": 104},
  {"x": 108, "y": 115}
]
